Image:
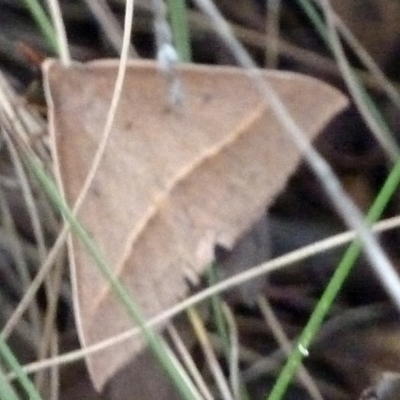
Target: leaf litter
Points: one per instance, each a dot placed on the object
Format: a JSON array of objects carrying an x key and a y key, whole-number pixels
[{"x": 292, "y": 291}]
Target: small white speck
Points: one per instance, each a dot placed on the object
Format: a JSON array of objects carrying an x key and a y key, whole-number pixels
[
  {"x": 167, "y": 57},
  {"x": 303, "y": 350}
]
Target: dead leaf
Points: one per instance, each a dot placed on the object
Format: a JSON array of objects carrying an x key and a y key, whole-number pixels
[{"x": 172, "y": 184}]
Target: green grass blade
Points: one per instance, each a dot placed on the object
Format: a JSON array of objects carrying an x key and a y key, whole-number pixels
[
  {"x": 312, "y": 13},
  {"x": 351, "y": 255},
  {"x": 180, "y": 28},
  {"x": 319, "y": 25},
  {"x": 217, "y": 313},
  {"x": 43, "y": 22},
  {"x": 221, "y": 325},
  {"x": 7, "y": 392},
  {"x": 14, "y": 365},
  {"x": 333, "y": 288},
  {"x": 131, "y": 308}
]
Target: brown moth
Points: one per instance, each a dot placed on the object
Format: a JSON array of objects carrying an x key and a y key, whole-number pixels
[{"x": 173, "y": 182}]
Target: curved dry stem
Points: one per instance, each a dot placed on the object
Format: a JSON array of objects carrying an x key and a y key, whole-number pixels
[
  {"x": 280, "y": 336},
  {"x": 329, "y": 181},
  {"x": 189, "y": 364},
  {"x": 365, "y": 58},
  {"x": 209, "y": 354},
  {"x": 110, "y": 25},
  {"x": 383, "y": 136},
  {"x": 255, "y": 272},
  {"x": 233, "y": 361}
]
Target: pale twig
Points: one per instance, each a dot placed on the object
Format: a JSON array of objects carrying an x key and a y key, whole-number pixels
[
  {"x": 272, "y": 33},
  {"x": 50, "y": 316},
  {"x": 55, "y": 371},
  {"x": 233, "y": 351},
  {"x": 46, "y": 266},
  {"x": 10, "y": 114},
  {"x": 107, "y": 129},
  {"x": 382, "y": 135},
  {"x": 58, "y": 22},
  {"x": 365, "y": 58},
  {"x": 28, "y": 198},
  {"x": 251, "y": 37},
  {"x": 111, "y": 112},
  {"x": 23, "y": 330},
  {"x": 109, "y": 24},
  {"x": 280, "y": 336},
  {"x": 189, "y": 363},
  {"x": 349, "y": 319},
  {"x": 53, "y": 283},
  {"x": 52, "y": 301},
  {"x": 21, "y": 265},
  {"x": 20, "y": 123},
  {"x": 329, "y": 181},
  {"x": 36, "y": 282},
  {"x": 246, "y": 354},
  {"x": 208, "y": 351},
  {"x": 182, "y": 372},
  {"x": 224, "y": 285},
  {"x": 26, "y": 123},
  {"x": 45, "y": 337}
]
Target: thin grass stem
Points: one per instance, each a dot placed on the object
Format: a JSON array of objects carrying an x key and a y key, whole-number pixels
[
  {"x": 180, "y": 28},
  {"x": 7, "y": 392},
  {"x": 333, "y": 288},
  {"x": 123, "y": 296},
  {"x": 252, "y": 273},
  {"x": 14, "y": 365},
  {"x": 43, "y": 23}
]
